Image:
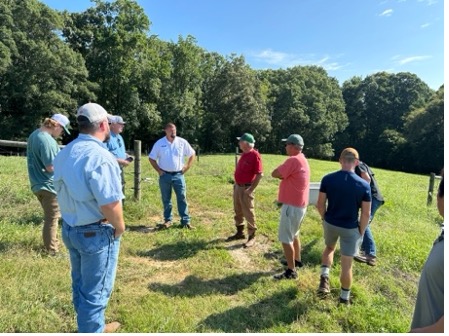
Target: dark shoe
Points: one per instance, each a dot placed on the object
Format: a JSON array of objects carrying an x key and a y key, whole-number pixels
[
  {"x": 238, "y": 235},
  {"x": 370, "y": 260},
  {"x": 188, "y": 226},
  {"x": 324, "y": 287},
  {"x": 360, "y": 258},
  {"x": 288, "y": 274},
  {"x": 298, "y": 264},
  {"x": 345, "y": 302},
  {"x": 251, "y": 240},
  {"x": 164, "y": 226},
  {"x": 111, "y": 327}
]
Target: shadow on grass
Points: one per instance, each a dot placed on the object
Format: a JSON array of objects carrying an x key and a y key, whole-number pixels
[
  {"x": 193, "y": 286},
  {"x": 178, "y": 250},
  {"x": 309, "y": 255},
  {"x": 258, "y": 317}
]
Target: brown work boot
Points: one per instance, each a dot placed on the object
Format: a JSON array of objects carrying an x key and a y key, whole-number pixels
[
  {"x": 111, "y": 327},
  {"x": 238, "y": 235},
  {"x": 251, "y": 238},
  {"x": 324, "y": 287}
]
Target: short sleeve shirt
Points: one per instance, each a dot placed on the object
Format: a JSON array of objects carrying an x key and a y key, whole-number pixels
[
  {"x": 345, "y": 192},
  {"x": 87, "y": 176},
  {"x": 248, "y": 166},
  {"x": 41, "y": 151},
  {"x": 170, "y": 156},
  {"x": 116, "y": 146},
  {"x": 294, "y": 186}
]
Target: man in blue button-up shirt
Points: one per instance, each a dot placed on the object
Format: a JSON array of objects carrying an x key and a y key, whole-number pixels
[{"x": 87, "y": 182}]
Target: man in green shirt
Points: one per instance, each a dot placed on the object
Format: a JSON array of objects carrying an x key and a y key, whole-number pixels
[{"x": 41, "y": 150}]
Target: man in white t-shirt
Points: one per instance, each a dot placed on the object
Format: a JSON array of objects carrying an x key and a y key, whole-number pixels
[{"x": 168, "y": 158}]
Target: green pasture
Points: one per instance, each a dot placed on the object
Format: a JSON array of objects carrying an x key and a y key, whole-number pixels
[{"x": 193, "y": 281}]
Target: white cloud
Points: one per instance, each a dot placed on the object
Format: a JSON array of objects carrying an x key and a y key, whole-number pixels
[
  {"x": 286, "y": 60},
  {"x": 386, "y": 12},
  {"x": 429, "y": 2},
  {"x": 425, "y": 25},
  {"x": 402, "y": 61}
]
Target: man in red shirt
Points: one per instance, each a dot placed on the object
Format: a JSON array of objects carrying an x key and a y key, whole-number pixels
[
  {"x": 246, "y": 176},
  {"x": 294, "y": 174}
]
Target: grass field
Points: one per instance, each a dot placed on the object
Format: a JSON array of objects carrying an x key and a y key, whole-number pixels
[{"x": 193, "y": 281}]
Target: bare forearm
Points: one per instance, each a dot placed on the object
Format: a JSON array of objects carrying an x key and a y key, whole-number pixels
[
  {"x": 437, "y": 327},
  {"x": 256, "y": 181},
  {"x": 189, "y": 163},
  {"x": 113, "y": 212},
  {"x": 155, "y": 166}
]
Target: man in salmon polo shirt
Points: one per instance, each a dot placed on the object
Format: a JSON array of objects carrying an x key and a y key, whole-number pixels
[{"x": 294, "y": 174}]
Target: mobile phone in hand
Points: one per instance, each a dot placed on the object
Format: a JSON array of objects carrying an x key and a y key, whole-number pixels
[{"x": 129, "y": 159}]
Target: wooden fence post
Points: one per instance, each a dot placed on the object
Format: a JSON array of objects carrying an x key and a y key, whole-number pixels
[
  {"x": 431, "y": 186},
  {"x": 137, "y": 171}
]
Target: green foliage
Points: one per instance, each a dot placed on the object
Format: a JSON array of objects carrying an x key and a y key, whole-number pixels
[{"x": 192, "y": 281}]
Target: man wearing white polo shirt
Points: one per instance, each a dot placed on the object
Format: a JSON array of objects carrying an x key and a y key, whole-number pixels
[{"x": 168, "y": 158}]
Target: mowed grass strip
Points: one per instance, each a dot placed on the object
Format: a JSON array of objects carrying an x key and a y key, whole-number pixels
[{"x": 193, "y": 281}]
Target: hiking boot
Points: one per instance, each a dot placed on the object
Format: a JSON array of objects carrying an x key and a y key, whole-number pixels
[
  {"x": 288, "y": 274},
  {"x": 360, "y": 258},
  {"x": 298, "y": 264},
  {"x": 371, "y": 260},
  {"x": 238, "y": 235},
  {"x": 111, "y": 327},
  {"x": 344, "y": 302},
  {"x": 165, "y": 225},
  {"x": 251, "y": 239},
  {"x": 324, "y": 287}
]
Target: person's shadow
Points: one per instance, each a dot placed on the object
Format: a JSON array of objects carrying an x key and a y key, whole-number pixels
[
  {"x": 274, "y": 310},
  {"x": 179, "y": 250},
  {"x": 193, "y": 286}
]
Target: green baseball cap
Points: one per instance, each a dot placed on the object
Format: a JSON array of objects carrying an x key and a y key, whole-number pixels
[
  {"x": 295, "y": 139},
  {"x": 247, "y": 137}
]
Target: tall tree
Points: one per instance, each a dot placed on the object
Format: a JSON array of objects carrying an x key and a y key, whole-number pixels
[
  {"x": 234, "y": 104},
  {"x": 40, "y": 75},
  {"x": 307, "y": 101}
]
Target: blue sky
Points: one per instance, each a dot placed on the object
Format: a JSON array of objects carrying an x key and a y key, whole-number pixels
[{"x": 346, "y": 37}]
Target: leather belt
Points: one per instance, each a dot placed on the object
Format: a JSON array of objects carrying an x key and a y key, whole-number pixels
[
  {"x": 172, "y": 173},
  {"x": 244, "y": 185}
]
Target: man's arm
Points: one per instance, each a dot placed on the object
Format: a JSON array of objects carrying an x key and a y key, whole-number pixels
[
  {"x": 437, "y": 327},
  {"x": 276, "y": 174},
  {"x": 364, "y": 175},
  {"x": 364, "y": 217},
  {"x": 156, "y": 166},
  {"x": 123, "y": 163},
  {"x": 254, "y": 183},
  {"x": 189, "y": 163},
  {"x": 113, "y": 212},
  {"x": 321, "y": 204}
]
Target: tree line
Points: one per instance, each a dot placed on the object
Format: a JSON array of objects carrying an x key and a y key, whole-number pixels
[{"x": 53, "y": 62}]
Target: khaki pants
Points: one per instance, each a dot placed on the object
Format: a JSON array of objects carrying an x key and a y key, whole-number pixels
[
  {"x": 51, "y": 218},
  {"x": 244, "y": 207}
]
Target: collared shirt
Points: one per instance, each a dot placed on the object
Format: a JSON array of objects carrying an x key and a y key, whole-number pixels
[
  {"x": 248, "y": 166},
  {"x": 41, "y": 151},
  {"x": 116, "y": 146},
  {"x": 87, "y": 177},
  {"x": 294, "y": 186},
  {"x": 170, "y": 156}
]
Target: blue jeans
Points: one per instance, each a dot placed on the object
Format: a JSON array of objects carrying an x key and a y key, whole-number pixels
[
  {"x": 93, "y": 257},
  {"x": 176, "y": 181},
  {"x": 368, "y": 244}
]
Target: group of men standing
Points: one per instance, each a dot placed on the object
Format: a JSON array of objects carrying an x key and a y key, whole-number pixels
[{"x": 87, "y": 177}]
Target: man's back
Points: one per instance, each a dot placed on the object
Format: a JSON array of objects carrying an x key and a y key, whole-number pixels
[
  {"x": 362, "y": 167},
  {"x": 345, "y": 193}
]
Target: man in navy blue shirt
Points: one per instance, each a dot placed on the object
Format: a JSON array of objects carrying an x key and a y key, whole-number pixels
[{"x": 345, "y": 193}]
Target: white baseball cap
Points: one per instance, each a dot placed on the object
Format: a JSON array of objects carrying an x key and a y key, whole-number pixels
[
  {"x": 116, "y": 120},
  {"x": 93, "y": 112},
  {"x": 62, "y": 120}
]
